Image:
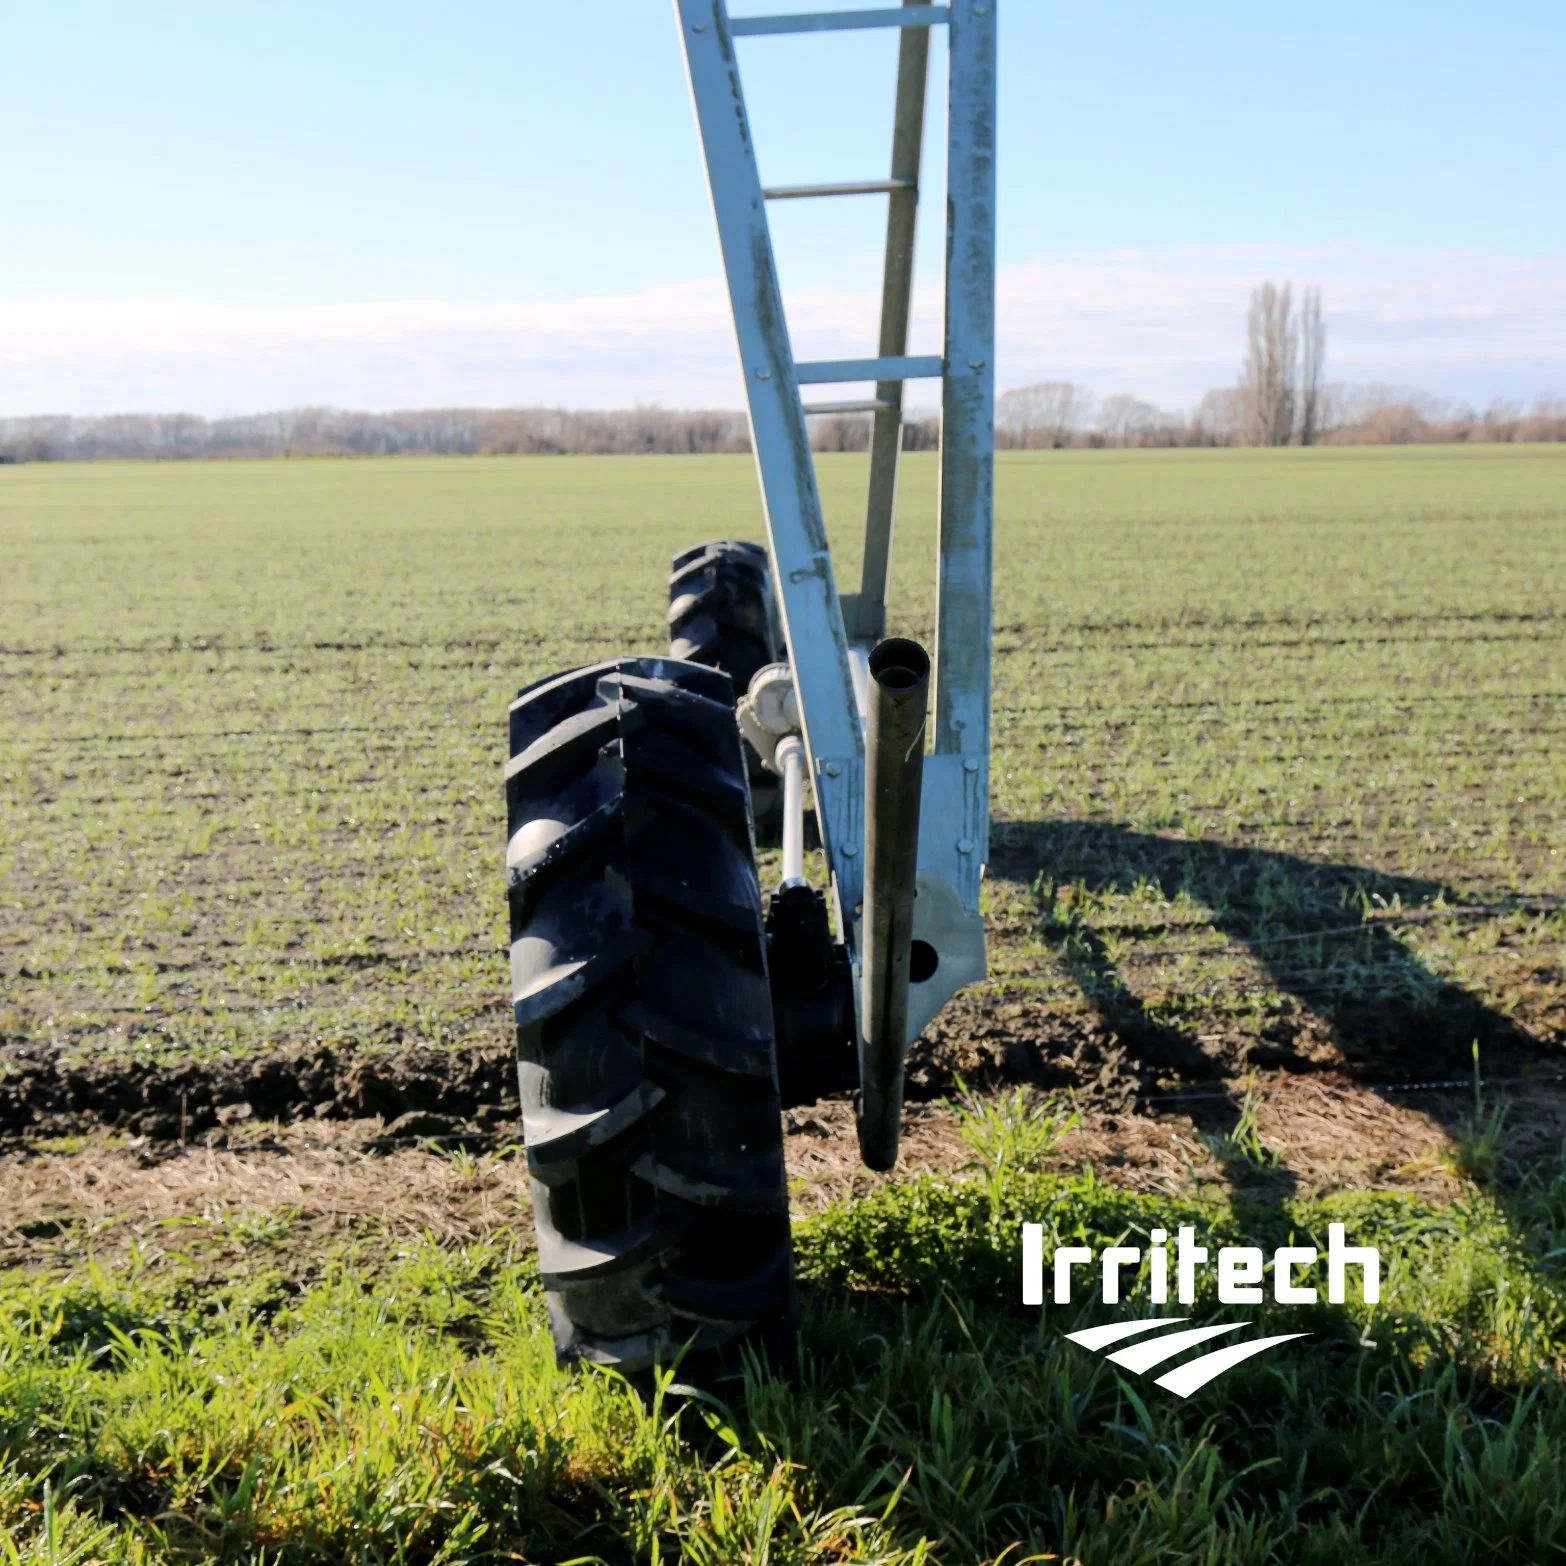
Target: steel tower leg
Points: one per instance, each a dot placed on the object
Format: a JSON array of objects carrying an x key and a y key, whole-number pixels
[{"x": 829, "y": 638}]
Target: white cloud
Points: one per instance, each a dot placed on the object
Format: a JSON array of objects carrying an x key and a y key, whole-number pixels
[
  {"x": 1169, "y": 324},
  {"x": 1163, "y": 324}
]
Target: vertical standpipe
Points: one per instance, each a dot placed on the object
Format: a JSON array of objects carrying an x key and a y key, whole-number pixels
[{"x": 899, "y": 704}]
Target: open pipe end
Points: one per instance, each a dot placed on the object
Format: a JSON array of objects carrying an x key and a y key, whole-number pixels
[
  {"x": 878, "y": 1148},
  {"x": 898, "y": 664}
]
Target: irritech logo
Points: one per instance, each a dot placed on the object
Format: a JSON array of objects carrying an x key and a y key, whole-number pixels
[{"x": 1242, "y": 1271}]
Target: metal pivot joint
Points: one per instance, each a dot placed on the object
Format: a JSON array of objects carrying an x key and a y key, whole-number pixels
[{"x": 905, "y": 853}]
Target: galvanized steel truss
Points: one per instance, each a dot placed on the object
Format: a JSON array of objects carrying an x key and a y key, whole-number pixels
[{"x": 829, "y": 635}]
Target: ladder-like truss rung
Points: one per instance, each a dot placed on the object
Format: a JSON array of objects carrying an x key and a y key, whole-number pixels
[
  {"x": 856, "y": 187},
  {"x": 840, "y": 21},
  {"x": 874, "y": 405},
  {"x": 821, "y": 371}
]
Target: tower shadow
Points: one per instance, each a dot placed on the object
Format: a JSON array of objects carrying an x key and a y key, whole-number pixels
[{"x": 1390, "y": 1017}]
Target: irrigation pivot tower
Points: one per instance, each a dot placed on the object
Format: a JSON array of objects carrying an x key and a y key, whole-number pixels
[
  {"x": 666, "y": 1012},
  {"x": 830, "y": 635}
]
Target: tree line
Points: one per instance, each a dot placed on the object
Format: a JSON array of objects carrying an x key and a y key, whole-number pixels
[
  {"x": 321, "y": 432},
  {"x": 1050, "y": 414},
  {"x": 1059, "y": 414},
  {"x": 312, "y": 432},
  {"x": 1279, "y": 398}
]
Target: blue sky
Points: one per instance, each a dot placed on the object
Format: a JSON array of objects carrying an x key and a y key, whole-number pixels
[{"x": 231, "y": 207}]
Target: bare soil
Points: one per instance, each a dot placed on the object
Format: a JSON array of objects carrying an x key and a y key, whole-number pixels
[
  {"x": 288, "y": 1155},
  {"x": 1115, "y": 1057},
  {"x": 46, "y": 1094},
  {"x": 286, "y": 1196}
]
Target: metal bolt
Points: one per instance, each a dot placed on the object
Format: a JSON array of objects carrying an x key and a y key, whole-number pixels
[
  {"x": 964, "y": 845},
  {"x": 971, "y": 764},
  {"x": 832, "y": 769},
  {"x": 849, "y": 850},
  {"x": 763, "y": 374},
  {"x": 976, "y": 364}
]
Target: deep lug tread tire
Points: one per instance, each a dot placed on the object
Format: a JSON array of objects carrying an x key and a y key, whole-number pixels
[
  {"x": 722, "y": 613},
  {"x": 645, "y": 1049},
  {"x": 721, "y": 609}
]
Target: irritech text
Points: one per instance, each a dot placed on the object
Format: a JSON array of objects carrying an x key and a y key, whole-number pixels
[{"x": 1242, "y": 1269}]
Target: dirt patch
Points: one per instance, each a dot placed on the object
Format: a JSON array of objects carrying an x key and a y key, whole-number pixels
[
  {"x": 285, "y": 1197},
  {"x": 322, "y": 1174},
  {"x": 289, "y": 1195},
  {"x": 1326, "y": 1135},
  {"x": 1120, "y": 1055},
  {"x": 42, "y": 1094}
]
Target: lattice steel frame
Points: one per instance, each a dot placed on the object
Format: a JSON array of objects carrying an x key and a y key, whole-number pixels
[{"x": 829, "y": 635}]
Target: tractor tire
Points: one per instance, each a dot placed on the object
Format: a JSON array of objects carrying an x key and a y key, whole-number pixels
[
  {"x": 721, "y": 610},
  {"x": 722, "y": 613},
  {"x": 646, "y": 1057}
]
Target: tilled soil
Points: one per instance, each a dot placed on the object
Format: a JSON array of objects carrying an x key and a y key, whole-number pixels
[
  {"x": 1121, "y": 1055},
  {"x": 44, "y": 1094},
  {"x": 286, "y": 1197},
  {"x": 1112, "y": 1059},
  {"x": 987, "y": 1040},
  {"x": 279, "y": 1159}
]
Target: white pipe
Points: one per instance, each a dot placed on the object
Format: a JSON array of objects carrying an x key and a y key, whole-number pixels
[{"x": 789, "y": 758}]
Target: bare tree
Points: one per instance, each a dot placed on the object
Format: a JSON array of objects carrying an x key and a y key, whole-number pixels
[
  {"x": 1128, "y": 421},
  {"x": 840, "y": 432},
  {"x": 1547, "y": 421},
  {"x": 1045, "y": 414},
  {"x": 1313, "y": 356},
  {"x": 1219, "y": 419},
  {"x": 1269, "y": 379}
]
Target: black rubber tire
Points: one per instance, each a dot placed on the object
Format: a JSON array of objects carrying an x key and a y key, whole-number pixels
[
  {"x": 646, "y": 1059},
  {"x": 721, "y": 609},
  {"x": 722, "y": 613}
]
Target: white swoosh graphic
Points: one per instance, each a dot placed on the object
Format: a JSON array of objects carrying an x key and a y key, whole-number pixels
[
  {"x": 1189, "y": 1377},
  {"x": 1143, "y": 1356},
  {"x": 1102, "y": 1337},
  {"x": 1186, "y": 1379}
]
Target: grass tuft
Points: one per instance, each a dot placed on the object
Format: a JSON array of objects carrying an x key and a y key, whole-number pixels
[
  {"x": 1480, "y": 1142},
  {"x": 1019, "y": 1130},
  {"x": 1243, "y": 1145}
]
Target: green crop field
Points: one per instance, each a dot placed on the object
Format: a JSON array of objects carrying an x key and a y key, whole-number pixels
[
  {"x": 1280, "y": 829},
  {"x": 252, "y": 722}
]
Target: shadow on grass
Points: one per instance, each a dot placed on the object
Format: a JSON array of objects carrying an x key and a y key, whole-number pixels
[{"x": 1304, "y": 923}]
